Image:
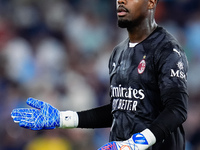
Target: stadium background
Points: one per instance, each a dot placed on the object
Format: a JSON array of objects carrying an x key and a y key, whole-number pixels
[{"x": 58, "y": 50}]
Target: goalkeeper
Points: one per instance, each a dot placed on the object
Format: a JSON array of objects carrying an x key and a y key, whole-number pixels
[{"x": 148, "y": 89}]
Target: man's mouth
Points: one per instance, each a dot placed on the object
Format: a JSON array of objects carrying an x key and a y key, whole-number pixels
[{"x": 121, "y": 11}]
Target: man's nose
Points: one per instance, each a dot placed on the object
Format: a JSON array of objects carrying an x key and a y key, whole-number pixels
[{"x": 121, "y": 2}]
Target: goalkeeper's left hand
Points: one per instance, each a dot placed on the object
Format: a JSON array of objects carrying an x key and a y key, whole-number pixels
[{"x": 139, "y": 141}]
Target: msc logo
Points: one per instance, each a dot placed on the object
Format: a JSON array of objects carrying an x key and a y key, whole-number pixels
[{"x": 178, "y": 73}]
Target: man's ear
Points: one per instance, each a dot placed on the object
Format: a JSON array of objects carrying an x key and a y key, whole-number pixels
[{"x": 152, "y": 4}]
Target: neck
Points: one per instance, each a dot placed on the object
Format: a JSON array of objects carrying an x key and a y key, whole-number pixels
[{"x": 142, "y": 31}]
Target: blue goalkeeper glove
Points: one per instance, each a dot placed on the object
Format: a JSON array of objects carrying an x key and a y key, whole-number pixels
[
  {"x": 43, "y": 116},
  {"x": 139, "y": 141}
]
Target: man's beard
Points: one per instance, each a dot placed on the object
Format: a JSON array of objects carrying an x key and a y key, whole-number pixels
[
  {"x": 130, "y": 24},
  {"x": 125, "y": 23}
]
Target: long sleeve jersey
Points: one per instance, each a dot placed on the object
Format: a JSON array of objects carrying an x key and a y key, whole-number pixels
[{"x": 148, "y": 89}]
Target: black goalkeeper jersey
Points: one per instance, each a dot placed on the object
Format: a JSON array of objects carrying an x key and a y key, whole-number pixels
[{"x": 148, "y": 89}]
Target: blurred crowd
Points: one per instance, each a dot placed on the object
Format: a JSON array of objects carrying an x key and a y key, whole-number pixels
[{"x": 58, "y": 51}]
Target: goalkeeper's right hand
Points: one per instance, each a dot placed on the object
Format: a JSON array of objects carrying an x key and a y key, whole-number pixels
[{"x": 43, "y": 116}]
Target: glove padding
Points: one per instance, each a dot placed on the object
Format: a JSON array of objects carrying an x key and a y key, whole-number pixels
[
  {"x": 41, "y": 116},
  {"x": 139, "y": 141}
]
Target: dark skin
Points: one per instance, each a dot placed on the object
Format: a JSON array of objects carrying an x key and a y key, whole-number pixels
[{"x": 141, "y": 15}]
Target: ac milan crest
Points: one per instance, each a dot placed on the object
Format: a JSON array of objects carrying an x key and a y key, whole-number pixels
[{"x": 142, "y": 66}]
